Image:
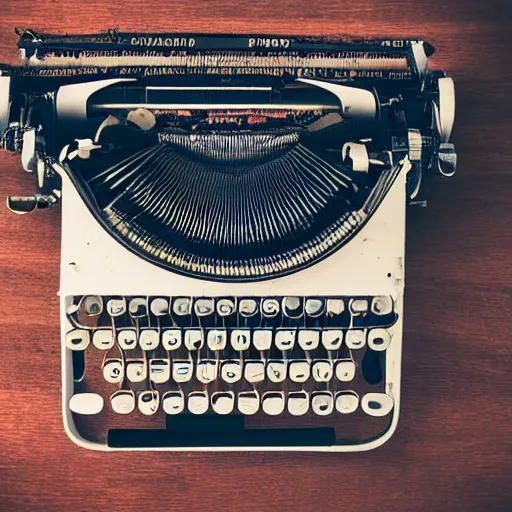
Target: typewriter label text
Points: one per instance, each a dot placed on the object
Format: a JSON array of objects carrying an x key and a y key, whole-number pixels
[
  {"x": 267, "y": 42},
  {"x": 169, "y": 42}
]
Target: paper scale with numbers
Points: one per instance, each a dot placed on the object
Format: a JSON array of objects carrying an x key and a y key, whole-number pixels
[{"x": 233, "y": 227}]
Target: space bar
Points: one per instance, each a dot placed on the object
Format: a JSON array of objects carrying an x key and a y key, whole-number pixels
[{"x": 143, "y": 438}]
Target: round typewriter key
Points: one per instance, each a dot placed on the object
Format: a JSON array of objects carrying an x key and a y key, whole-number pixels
[
  {"x": 223, "y": 402},
  {"x": 293, "y": 307},
  {"x": 358, "y": 306},
  {"x": 322, "y": 371},
  {"x": 116, "y": 307},
  {"x": 171, "y": 339},
  {"x": 315, "y": 307},
  {"x": 355, "y": 339},
  {"x": 347, "y": 402},
  {"x": 78, "y": 339},
  {"x": 298, "y": 403},
  {"x": 86, "y": 403},
  {"x": 127, "y": 339},
  {"x": 377, "y": 404},
  {"x": 197, "y": 402},
  {"x": 231, "y": 371},
  {"x": 273, "y": 403},
  {"x": 225, "y": 307},
  {"x": 148, "y": 402},
  {"x": 173, "y": 402},
  {"x": 138, "y": 307},
  {"x": 103, "y": 339},
  {"x": 254, "y": 371},
  {"x": 345, "y": 370},
  {"x": 248, "y": 402},
  {"x": 335, "y": 307},
  {"x": 382, "y": 305},
  {"x": 113, "y": 371},
  {"x": 123, "y": 401},
  {"x": 204, "y": 307},
  {"x": 182, "y": 306},
  {"x": 92, "y": 305},
  {"x": 247, "y": 307},
  {"x": 379, "y": 339},
  {"x": 322, "y": 403},
  {"x": 159, "y": 306},
  {"x": 270, "y": 308},
  {"x": 308, "y": 339}
]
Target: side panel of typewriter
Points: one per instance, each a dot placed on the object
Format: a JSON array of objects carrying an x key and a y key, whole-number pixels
[{"x": 93, "y": 263}]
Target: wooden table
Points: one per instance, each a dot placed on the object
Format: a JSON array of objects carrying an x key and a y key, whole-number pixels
[{"x": 452, "y": 448}]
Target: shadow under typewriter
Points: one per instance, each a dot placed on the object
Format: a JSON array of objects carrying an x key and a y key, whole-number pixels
[{"x": 329, "y": 373}]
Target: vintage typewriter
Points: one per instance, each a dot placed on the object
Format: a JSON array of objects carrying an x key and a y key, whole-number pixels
[{"x": 233, "y": 226}]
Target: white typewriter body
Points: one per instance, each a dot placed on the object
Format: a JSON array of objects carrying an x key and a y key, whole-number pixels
[{"x": 372, "y": 263}]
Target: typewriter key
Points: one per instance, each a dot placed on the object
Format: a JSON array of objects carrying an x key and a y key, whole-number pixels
[
  {"x": 269, "y": 308},
  {"x": 377, "y": 404},
  {"x": 113, "y": 371},
  {"x": 293, "y": 307},
  {"x": 159, "y": 306},
  {"x": 149, "y": 339},
  {"x": 225, "y": 307},
  {"x": 206, "y": 371},
  {"x": 332, "y": 339},
  {"x": 136, "y": 370},
  {"x": 182, "y": 306},
  {"x": 247, "y": 307},
  {"x": 197, "y": 402},
  {"x": 138, "y": 307},
  {"x": 171, "y": 339},
  {"x": 116, "y": 307},
  {"x": 285, "y": 339},
  {"x": 358, "y": 306},
  {"x": 223, "y": 402},
  {"x": 355, "y": 339},
  {"x": 276, "y": 371},
  {"x": 262, "y": 339},
  {"x": 194, "y": 339},
  {"x": 182, "y": 370},
  {"x": 315, "y": 307},
  {"x": 204, "y": 307},
  {"x": 248, "y": 402},
  {"x": 127, "y": 339},
  {"x": 86, "y": 403},
  {"x": 345, "y": 370},
  {"x": 322, "y": 371},
  {"x": 78, "y": 339},
  {"x": 382, "y": 305},
  {"x": 103, "y": 339},
  {"x": 298, "y": 403},
  {"x": 217, "y": 339},
  {"x": 299, "y": 371},
  {"x": 173, "y": 402},
  {"x": 272, "y": 403},
  {"x": 231, "y": 371},
  {"x": 148, "y": 402},
  {"x": 123, "y": 401},
  {"x": 347, "y": 402},
  {"x": 254, "y": 371},
  {"x": 159, "y": 370},
  {"x": 92, "y": 305},
  {"x": 322, "y": 403},
  {"x": 308, "y": 339},
  {"x": 379, "y": 339}
]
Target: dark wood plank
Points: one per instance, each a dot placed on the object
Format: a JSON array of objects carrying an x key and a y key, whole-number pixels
[{"x": 452, "y": 448}]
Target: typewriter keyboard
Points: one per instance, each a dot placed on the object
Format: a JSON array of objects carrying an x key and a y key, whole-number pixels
[{"x": 264, "y": 357}]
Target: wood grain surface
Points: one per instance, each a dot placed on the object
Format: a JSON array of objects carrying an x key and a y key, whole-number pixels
[{"x": 452, "y": 450}]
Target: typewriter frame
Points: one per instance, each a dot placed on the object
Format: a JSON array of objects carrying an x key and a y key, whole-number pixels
[{"x": 379, "y": 246}]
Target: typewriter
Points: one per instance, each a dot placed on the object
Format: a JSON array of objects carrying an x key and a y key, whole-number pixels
[{"x": 233, "y": 227}]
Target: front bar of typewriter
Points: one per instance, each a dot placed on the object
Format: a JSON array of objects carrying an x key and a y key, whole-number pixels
[{"x": 233, "y": 229}]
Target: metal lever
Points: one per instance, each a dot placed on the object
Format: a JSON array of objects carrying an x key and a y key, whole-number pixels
[{"x": 27, "y": 204}]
